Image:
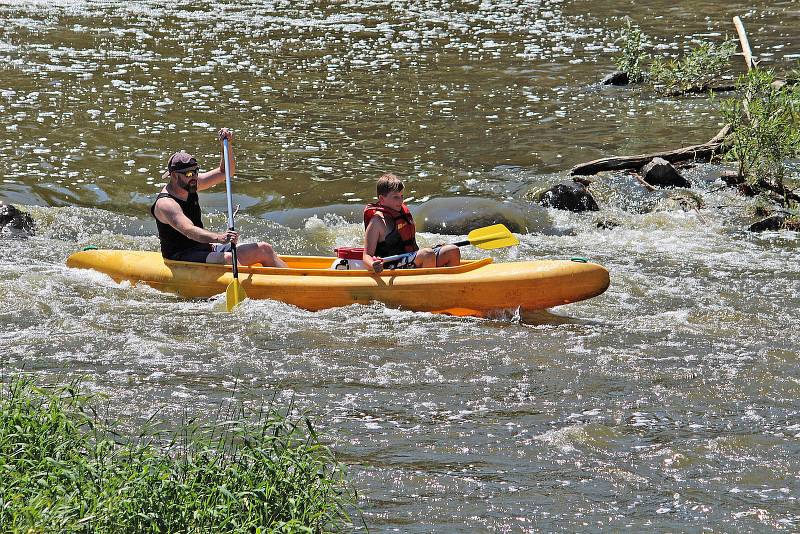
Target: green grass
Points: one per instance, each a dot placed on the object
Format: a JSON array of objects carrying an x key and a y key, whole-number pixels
[{"x": 62, "y": 472}]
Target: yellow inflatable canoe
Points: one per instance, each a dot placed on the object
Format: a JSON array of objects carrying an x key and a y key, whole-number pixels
[{"x": 472, "y": 288}]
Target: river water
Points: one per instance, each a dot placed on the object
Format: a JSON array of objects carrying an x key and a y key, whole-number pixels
[{"x": 668, "y": 404}]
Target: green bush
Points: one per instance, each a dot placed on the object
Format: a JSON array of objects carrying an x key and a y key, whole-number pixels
[
  {"x": 633, "y": 55},
  {"x": 695, "y": 70},
  {"x": 62, "y": 473},
  {"x": 764, "y": 128}
]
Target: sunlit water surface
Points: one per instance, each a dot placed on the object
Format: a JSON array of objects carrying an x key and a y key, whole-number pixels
[{"x": 670, "y": 403}]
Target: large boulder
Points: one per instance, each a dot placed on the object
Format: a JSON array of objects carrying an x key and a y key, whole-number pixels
[
  {"x": 570, "y": 196},
  {"x": 461, "y": 214},
  {"x": 15, "y": 220},
  {"x": 660, "y": 173}
]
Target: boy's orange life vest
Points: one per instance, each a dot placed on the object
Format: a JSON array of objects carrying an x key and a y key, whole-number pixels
[{"x": 402, "y": 238}]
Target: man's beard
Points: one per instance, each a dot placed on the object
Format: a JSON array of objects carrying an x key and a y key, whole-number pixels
[{"x": 191, "y": 186}]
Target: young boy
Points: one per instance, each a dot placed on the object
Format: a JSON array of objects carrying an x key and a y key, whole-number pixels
[{"x": 390, "y": 231}]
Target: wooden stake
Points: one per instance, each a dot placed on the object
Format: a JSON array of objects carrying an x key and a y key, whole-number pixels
[{"x": 748, "y": 54}]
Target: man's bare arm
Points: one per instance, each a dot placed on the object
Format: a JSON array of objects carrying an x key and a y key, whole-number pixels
[
  {"x": 215, "y": 176},
  {"x": 169, "y": 212}
]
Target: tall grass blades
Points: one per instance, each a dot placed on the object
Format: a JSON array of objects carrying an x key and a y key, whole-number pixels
[{"x": 62, "y": 473}]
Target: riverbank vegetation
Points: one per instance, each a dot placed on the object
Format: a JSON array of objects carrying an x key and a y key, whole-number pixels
[
  {"x": 64, "y": 470},
  {"x": 762, "y": 131},
  {"x": 764, "y": 128},
  {"x": 765, "y": 133}
]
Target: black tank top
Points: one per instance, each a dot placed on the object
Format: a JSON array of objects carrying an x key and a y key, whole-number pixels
[
  {"x": 391, "y": 245},
  {"x": 173, "y": 243}
]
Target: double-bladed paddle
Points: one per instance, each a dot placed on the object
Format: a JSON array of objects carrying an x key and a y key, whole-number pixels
[
  {"x": 487, "y": 238},
  {"x": 235, "y": 292}
]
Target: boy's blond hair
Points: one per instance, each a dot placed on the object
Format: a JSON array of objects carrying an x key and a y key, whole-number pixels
[{"x": 388, "y": 183}]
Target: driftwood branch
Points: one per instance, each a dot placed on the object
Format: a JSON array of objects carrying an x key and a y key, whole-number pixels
[{"x": 702, "y": 152}]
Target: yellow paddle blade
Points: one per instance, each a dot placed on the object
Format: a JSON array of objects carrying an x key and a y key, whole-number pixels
[
  {"x": 489, "y": 237},
  {"x": 234, "y": 294}
]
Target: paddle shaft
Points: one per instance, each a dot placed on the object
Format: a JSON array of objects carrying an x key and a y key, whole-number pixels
[{"x": 226, "y": 152}]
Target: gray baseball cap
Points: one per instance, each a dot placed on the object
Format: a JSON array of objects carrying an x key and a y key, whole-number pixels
[{"x": 181, "y": 161}]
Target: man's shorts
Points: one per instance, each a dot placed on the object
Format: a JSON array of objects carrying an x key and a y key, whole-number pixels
[{"x": 200, "y": 254}]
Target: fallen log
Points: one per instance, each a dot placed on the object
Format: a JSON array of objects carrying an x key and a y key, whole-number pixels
[{"x": 703, "y": 152}]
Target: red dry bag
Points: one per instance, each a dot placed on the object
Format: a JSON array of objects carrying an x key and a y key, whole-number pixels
[{"x": 349, "y": 253}]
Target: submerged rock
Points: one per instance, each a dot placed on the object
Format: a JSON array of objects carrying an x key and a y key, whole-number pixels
[
  {"x": 679, "y": 201},
  {"x": 571, "y": 196},
  {"x": 297, "y": 217},
  {"x": 606, "y": 224},
  {"x": 660, "y": 173},
  {"x": 17, "y": 221},
  {"x": 616, "y": 78},
  {"x": 776, "y": 222}
]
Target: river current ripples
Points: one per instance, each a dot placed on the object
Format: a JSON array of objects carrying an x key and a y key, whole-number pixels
[{"x": 668, "y": 404}]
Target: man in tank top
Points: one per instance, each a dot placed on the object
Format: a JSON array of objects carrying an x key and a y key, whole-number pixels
[{"x": 179, "y": 217}]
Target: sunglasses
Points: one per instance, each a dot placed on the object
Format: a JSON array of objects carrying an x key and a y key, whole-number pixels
[{"x": 191, "y": 174}]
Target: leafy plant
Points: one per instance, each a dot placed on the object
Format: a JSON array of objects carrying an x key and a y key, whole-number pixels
[
  {"x": 764, "y": 129},
  {"x": 633, "y": 55},
  {"x": 695, "y": 70},
  {"x": 62, "y": 473},
  {"x": 793, "y": 75}
]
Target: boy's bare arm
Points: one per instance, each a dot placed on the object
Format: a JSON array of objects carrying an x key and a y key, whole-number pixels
[{"x": 376, "y": 230}]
